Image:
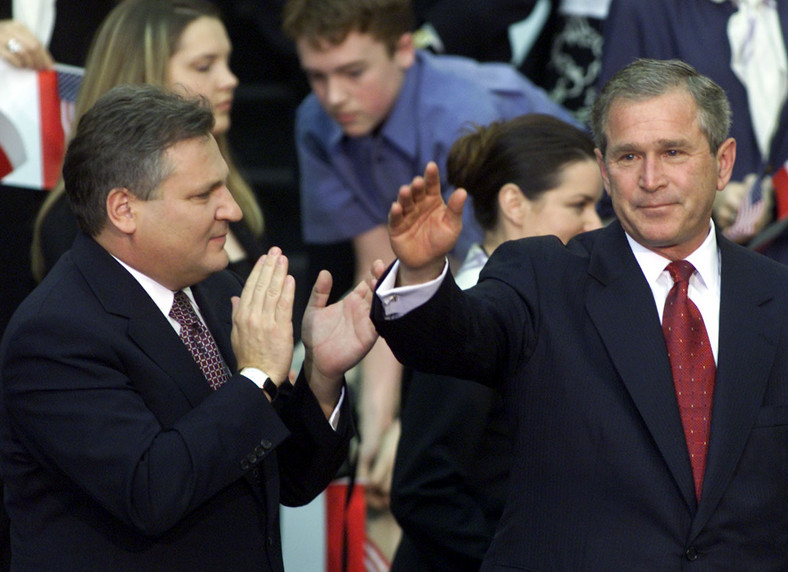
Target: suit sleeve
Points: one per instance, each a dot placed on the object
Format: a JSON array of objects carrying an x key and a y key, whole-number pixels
[
  {"x": 469, "y": 334},
  {"x": 310, "y": 458}
]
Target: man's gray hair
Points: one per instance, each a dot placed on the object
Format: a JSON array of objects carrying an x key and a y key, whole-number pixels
[
  {"x": 121, "y": 143},
  {"x": 646, "y": 78}
]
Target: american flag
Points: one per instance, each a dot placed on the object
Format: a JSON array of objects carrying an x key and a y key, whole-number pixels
[
  {"x": 68, "y": 81},
  {"x": 749, "y": 214},
  {"x": 780, "y": 182},
  {"x": 36, "y": 112}
]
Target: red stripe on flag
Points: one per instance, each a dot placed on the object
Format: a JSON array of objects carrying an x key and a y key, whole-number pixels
[
  {"x": 346, "y": 528},
  {"x": 52, "y": 138},
  {"x": 780, "y": 182},
  {"x": 5, "y": 164}
]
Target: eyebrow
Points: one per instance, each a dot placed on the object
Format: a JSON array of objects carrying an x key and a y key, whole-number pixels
[
  {"x": 343, "y": 68},
  {"x": 662, "y": 144}
]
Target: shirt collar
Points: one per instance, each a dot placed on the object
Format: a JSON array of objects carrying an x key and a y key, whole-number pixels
[
  {"x": 162, "y": 296},
  {"x": 705, "y": 259}
]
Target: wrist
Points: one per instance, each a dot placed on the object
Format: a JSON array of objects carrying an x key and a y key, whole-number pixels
[{"x": 261, "y": 380}]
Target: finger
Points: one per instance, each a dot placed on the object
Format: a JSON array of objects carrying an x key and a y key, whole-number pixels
[
  {"x": 321, "y": 290},
  {"x": 407, "y": 195},
  {"x": 378, "y": 268},
  {"x": 457, "y": 201},
  {"x": 28, "y": 53},
  {"x": 260, "y": 286},
  {"x": 432, "y": 179},
  {"x": 395, "y": 216},
  {"x": 418, "y": 190},
  {"x": 41, "y": 58},
  {"x": 247, "y": 293},
  {"x": 284, "y": 307},
  {"x": 274, "y": 289}
]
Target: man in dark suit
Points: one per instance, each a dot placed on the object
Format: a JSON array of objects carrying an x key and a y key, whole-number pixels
[
  {"x": 117, "y": 453},
  {"x": 602, "y": 477}
]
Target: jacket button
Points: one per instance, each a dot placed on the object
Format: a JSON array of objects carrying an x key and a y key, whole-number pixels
[
  {"x": 266, "y": 444},
  {"x": 245, "y": 465},
  {"x": 691, "y": 554}
]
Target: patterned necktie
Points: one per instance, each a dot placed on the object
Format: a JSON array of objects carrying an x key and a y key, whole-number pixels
[
  {"x": 692, "y": 364},
  {"x": 199, "y": 340}
]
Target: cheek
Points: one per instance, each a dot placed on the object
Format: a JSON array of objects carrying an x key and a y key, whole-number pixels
[{"x": 377, "y": 96}]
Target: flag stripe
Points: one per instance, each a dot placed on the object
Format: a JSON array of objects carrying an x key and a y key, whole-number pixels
[
  {"x": 5, "y": 164},
  {"x": 780, "y": 182},
  {"x": 52, "y": 140}
]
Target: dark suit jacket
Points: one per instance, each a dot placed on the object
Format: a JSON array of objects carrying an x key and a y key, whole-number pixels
[
  {"x": 450, "y": 473},
  {"x": 601, "y": 477},
  {"x": 117, "y": 455}
]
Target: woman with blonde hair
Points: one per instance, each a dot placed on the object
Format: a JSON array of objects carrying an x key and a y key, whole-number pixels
[{"x": 179, "y": 44}]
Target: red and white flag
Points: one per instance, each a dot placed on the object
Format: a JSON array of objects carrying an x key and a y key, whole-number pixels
[
  {"x": 780, "y": 182},
  {"x": 36, "y": 108}
]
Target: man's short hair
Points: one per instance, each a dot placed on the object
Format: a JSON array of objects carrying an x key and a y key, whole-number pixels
[
  {"x": 647, "y": 78},
  {"x": 330, "y": 21},
  {"x": 121, "y": 142}
]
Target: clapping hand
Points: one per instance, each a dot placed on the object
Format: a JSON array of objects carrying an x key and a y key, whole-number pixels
[{"x": 336, "y": 337}]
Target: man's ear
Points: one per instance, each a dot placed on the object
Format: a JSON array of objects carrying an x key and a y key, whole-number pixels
[
  {"x": 600, "y": 160},
  {"x": 726, "y": 157},
  {"x": 120, "y": 210},
  {"x": 405, "y": 51}
]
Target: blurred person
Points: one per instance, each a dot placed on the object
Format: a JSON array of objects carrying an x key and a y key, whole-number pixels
[
  {"x": 529, "y": 176},
  {"x": 148, "y": 422},
  {"x": 357, "y": 143},
  {"x": 179, "y": 44},
  {"x": 641, "y": 363}
]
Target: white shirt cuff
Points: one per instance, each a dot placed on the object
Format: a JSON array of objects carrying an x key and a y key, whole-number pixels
[
  {"x": 258, "y": 377},
  {"x": 399, "y": 300}
]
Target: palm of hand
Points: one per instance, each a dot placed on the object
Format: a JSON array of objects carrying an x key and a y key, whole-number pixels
[
  {"x": 339, "y": 335},
  {"x": 423, "y": 228}
]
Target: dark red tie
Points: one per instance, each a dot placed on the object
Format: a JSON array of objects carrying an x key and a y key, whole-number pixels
[
  {"x": 692, "y": 364},
  {"x": 199, "y": 340}
]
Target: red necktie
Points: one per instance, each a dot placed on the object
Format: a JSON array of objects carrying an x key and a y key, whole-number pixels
[
  {"x": 692, "y": 364},
  {"x": 199, "y": 340}
]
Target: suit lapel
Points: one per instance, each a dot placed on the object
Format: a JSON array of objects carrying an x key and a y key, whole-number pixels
[
  {"x": 747, "y": 346},
  {"x": 121, "y": 295},
  {"x": 621, "y": 305}
]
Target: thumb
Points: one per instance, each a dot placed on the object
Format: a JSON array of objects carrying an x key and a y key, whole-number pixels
[{"x": 321, "y": 290}]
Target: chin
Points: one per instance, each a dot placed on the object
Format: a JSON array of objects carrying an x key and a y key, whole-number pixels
[{"x": 222, "y": 125}]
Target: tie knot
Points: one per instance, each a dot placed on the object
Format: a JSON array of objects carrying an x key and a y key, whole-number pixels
[
  {"x": 182, "y": 310},
  {"x": 680, "y": 270}
]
